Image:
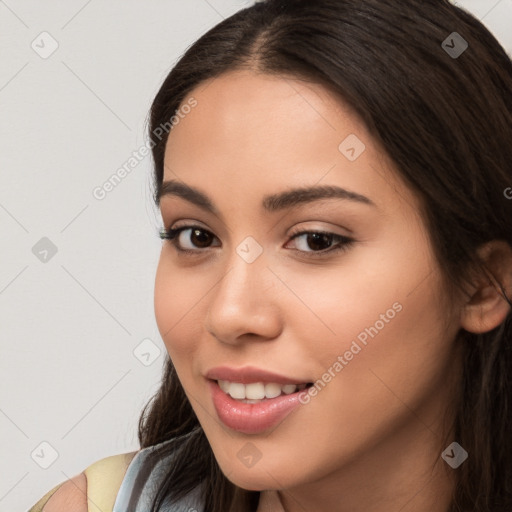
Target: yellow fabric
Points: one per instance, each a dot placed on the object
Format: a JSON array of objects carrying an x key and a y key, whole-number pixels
[{"x": 104, "y": 478}]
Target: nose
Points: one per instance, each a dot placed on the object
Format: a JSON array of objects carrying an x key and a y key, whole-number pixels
[{"x": 243, "y": 305}]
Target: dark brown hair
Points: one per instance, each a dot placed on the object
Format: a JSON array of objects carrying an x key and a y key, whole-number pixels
[{"x": 446, "y": 124}]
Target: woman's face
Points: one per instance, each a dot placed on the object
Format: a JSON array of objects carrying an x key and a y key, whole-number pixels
[{"x": 366, "y": 321}]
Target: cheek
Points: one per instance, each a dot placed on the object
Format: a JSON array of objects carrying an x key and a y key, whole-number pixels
[
  {"x": 177, "y": 308},
  {"x": 350, "y": 302},
  {"x": 395, "y": 360},
  {"x": 380, "y": 312}
]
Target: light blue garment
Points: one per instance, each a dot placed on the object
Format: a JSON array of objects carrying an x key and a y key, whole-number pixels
[{"x": 130, "y": 499}]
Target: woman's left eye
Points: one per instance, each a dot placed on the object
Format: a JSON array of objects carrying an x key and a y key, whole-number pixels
[
  {"x": 321, "y": 242},
  {"x": 325, "y": 240}
]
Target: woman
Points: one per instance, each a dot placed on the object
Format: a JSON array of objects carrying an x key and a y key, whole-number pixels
[{"x": 334, "y": 178}]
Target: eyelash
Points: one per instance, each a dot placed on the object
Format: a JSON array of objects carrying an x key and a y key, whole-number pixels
[{"x": 343, "y": 245}]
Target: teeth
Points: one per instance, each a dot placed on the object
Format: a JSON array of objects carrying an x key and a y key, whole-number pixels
[
  {"x": 256, "y": 391},
  {"x": 272, "y": 390},
  {"x": 289, "y": 388},
  {"x": 224, "y": 385},
  {"x": 236, "y": 390}
]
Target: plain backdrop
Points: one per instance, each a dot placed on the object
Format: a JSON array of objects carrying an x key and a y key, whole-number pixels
[{"x": 80, "y": 353}]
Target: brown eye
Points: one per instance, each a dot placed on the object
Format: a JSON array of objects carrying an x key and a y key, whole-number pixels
[
  {"x": 198, "y": 238},
  {"x": 321, "y": 242},
  {"x": 315, "y": 244}
]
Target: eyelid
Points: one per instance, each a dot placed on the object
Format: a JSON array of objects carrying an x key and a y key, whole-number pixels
[
  {"x": 302, "y": 230},
  {"x": 296, "y": 230}
]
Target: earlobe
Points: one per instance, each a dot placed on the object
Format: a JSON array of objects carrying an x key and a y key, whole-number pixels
[{"x": 487, "y": 307}]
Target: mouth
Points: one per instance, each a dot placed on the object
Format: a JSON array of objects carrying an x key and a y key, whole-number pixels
[
  {"x": 254, "y": 407},
  {"x": 256, "y": 392}
]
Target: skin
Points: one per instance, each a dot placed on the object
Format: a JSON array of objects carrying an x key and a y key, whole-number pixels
[{"x": 371, "y": 439}]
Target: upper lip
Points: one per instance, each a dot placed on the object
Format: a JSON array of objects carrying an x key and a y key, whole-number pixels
[{"x": 249, "y": 374}]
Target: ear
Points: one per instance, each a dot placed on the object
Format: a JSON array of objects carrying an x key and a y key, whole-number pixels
[{"x": 486, "y": 308}]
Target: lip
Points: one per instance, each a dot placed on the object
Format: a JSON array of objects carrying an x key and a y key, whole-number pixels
[
  {"x": 252, "y": 418},
  {"x": 249, "y": 374}
]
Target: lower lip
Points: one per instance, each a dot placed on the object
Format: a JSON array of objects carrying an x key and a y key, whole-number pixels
[{"x": 252, "y": 418}]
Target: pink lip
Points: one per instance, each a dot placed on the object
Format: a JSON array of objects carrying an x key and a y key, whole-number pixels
[
  {"x": 252, "y": 418},
  {"x": 249, "y": 374}
]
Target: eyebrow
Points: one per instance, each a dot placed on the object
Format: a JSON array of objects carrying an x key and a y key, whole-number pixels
[{"x": 271, "y": 203}]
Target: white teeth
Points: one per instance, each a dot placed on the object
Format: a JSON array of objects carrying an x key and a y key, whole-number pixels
[
  {"x": 224, "y": 385},
  {"x": 289, "y": 388},
  {"x": 272, "y": 390},
  {"x": 236, "y": 390},
  {"x": 256, "y": 391}
]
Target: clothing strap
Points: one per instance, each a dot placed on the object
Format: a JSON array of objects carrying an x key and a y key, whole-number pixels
[{"x": 104, "y": 478}]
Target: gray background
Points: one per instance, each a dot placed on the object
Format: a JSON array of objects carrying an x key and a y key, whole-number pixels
[{"x": 74, "y": 373}]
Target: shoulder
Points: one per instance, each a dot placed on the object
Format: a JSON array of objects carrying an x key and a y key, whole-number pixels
[
  {"x": 70, "y": 496},
  {"x": 98, "y": 483}
]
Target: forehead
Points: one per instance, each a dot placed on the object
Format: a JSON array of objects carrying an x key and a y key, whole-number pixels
[
  {"x": 254, "y": 132},
  {"x": 251, "y": 104}
]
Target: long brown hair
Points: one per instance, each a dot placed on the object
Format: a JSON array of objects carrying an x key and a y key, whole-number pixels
[{"x": 446, "y": 123}]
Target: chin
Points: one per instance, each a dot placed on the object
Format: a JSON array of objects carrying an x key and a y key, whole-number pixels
[
  {"x": 259, "y": 477},
  {"x": 250, "y": 482}
]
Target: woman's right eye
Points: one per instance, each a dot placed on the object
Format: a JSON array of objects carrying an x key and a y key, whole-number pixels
[{"x": 197, "y": 238}]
